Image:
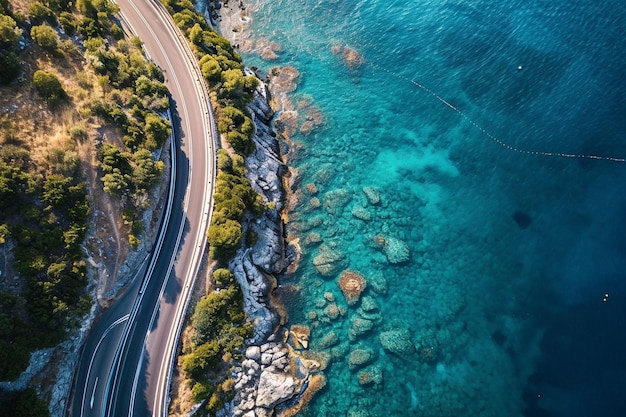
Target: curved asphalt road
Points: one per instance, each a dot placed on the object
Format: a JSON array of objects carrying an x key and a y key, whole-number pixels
[{"x": 127, "y": 360}]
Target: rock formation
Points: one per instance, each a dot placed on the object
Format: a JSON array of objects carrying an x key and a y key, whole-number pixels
[
  {"x": 396, "y": 250},
  {"x": 273, "y": 374},
  {"x": 397, "y": 341},
  {"x": 328, "y": 260},
  {"x": 352, "y": 284}
]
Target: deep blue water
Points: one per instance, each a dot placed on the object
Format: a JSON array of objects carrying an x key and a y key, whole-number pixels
[{"x": 511, "y": 254}]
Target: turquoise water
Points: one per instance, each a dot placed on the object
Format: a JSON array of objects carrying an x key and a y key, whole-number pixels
[{"x": 514, "y": 293}]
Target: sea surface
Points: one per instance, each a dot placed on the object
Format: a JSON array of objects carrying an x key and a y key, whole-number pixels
[{"x": 477, "y": 122}]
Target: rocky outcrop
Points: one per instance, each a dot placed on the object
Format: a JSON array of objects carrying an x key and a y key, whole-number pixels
[
  {"x": 265, "y": 167},
  {"x": 273, "y": 375}
]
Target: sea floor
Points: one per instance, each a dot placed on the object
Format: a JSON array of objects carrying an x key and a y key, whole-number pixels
[{"x": 465, "y": 159}]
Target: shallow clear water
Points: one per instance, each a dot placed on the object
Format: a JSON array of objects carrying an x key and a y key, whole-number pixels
[{"x": 511, "y": 254}]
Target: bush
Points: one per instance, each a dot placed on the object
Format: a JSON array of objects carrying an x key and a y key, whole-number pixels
[
  {"x": 223, "y": 277},
  {"x": 9, "y": 67},
  {"x": 40, "y": 13},
  {"x": 68, "y": 23},
  {"x": 157, "y": 131},
  {"x": 48, "y": 86},
  {"x": 9, "y": 32},
  {"x": 45, "y": 37},
  {"x": 225, "y": 237}
]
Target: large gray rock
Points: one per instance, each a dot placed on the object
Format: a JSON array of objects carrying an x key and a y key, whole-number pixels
[
  {"x": 265, "y": 166},
  {"x": 274, "y": 388},
  {"x": 256, "y": 288},
  {"x": 268, "y": 252}
]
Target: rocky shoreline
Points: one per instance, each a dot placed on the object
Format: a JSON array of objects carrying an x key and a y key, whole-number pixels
[{"x": 276, "y": 377}]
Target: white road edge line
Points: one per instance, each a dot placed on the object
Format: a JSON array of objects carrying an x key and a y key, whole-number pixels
[{"x": 93, "y": 356}]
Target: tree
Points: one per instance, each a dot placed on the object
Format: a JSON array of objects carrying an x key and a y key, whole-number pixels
[
  {"x": 40, "y": 13},
  {"x": 157, "y": 131},
  {"x": 147, "y": 171},
  {"x": 223, "y": 277},
  {"x": 48, "y": 86},
  {"x": 68, "y": 22},
  {"x": 225, "y": 237},
  {"x": 45, "y": 37},
  {"x": 9, "y": 67},
  {"x": 55, "y": 190},
  {"x": 9, "y": 32},
  {"x": 114, "y": 182},
  {"x": 210, "y": 68},
  {"x": 232, "y": 82}
]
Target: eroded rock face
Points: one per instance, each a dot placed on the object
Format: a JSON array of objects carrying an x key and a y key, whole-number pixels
[
  {"x": 265, "y": 168},
  {"x": 269, "y": 251},
  {"x": 256, "y": 288},
  {"x": 272, "y": 372}
]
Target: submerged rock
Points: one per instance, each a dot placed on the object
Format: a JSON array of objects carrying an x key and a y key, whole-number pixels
[
  {"x": 336, "y": 200},
  {"x": 352, "y": 285},
  {"x": 371, "y": 375},
  {"x": 378, "y": 282},
  {"x": 396, "y": 250},
  {"x": 372, "y": 195},
  {"x": 328, "y": 260},
  {"x": 332, "y": 311},
  {"x": 360, "y": 326},
  {"x": 362, "y": 214},
  {"x": 522, "y": 219},
  {"x": 360, "y": 357},
  {"x": 397, "y": 341},
  {"x": 328, "y": 341}
]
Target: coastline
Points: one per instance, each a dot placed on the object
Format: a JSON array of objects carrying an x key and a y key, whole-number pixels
[{"x": 278, "y": 375}]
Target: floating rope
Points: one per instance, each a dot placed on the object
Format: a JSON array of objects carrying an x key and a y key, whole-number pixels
[{"x": 490, "y": 135}]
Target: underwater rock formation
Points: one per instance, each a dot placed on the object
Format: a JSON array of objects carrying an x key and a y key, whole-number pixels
[
  {"x": 328, "y": 260},
  {"x": 397, "y": 341},
  {"x": 352, "y": 285},
  {"x": 396, "y": 250}
]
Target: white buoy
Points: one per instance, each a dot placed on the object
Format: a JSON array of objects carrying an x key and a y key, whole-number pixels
[{"x": 519, "y": 68}]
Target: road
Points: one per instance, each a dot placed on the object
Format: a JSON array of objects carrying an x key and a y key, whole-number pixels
[{"x": 126, "y": 362}]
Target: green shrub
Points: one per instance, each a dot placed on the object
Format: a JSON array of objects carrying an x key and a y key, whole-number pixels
[
  {"x": 49, "y": 87},
  {"x": 9, "y": 32},
  {"x": 223, "y": 277},
  {"x": 202, "y": 390},
  {"x": 68, "y": 23},
  {"x": 157, "y": 131},
  {"x": 10, "y": 67},
  {"x": 45, "y": 37},
  {"x": 40, "y": 13}
]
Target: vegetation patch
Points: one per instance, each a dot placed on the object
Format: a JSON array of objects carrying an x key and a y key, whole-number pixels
[{"x": 67, "y": 76}]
